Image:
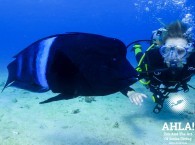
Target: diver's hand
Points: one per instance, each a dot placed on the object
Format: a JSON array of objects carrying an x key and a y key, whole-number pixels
[{"x": 135, "y": 97}]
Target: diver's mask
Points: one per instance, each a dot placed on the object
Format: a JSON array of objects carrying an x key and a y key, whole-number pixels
[{"x": 175, "y": 56}]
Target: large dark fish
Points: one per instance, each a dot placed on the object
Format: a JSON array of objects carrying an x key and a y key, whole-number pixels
[{"x": 72, "y": 64}]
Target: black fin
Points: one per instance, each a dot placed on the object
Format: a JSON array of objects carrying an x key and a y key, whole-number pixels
[
  {"x": 58, "y": 98},
  {"x": 12, "y": 70},
  {"x": 29, "y": 86}
]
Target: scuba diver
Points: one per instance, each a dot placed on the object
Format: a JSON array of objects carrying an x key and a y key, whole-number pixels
[{"x": 167, "y": 65}]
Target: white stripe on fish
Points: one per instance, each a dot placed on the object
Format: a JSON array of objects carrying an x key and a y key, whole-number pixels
[{"x": 41, "y": 61}]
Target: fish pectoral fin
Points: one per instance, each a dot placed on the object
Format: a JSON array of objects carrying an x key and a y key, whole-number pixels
[{"x": 58, "y": 98}]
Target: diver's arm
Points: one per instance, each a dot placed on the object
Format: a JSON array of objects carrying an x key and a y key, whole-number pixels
[
  {"x": 134, "y": 97},
  {"x": 124, "y": 91}
]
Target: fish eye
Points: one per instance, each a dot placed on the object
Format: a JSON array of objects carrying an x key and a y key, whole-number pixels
[{"x": 114, "y": 59}]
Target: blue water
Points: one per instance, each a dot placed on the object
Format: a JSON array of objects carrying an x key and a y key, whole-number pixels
[{"x": 25, "y": 21}]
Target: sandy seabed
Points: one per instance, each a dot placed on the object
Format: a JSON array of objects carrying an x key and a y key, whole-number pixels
[{"x": 109, "y": 120}]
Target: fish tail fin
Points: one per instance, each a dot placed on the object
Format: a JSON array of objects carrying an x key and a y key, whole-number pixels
[{"x": 12, "y": 74}]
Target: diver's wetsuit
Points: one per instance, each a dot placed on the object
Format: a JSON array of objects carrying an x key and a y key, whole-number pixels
[{"x": 158, "y": 74}]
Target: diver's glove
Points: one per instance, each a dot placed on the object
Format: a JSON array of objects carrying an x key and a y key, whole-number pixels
[{"x": 135, "y": 97}]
